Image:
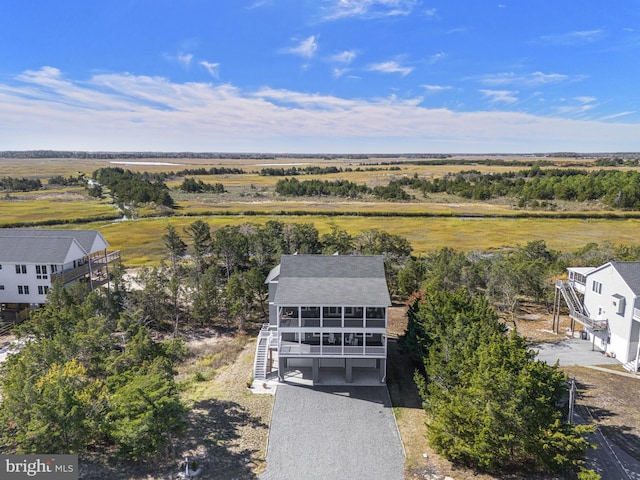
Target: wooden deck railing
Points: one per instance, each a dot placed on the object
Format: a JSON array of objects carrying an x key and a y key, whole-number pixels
[{"x": 97, "y": 264}]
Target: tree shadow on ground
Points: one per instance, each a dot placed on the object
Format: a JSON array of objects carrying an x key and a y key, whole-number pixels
[
  {"x": 211, "y": 439},
  {"x": 214, "y": 427},
  {"x": 402, "y": 388}
]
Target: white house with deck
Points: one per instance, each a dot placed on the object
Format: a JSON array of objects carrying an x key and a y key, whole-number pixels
[
  {"x": 32, "y": 260},
  {"x": 326, "y": 312},
  {"x": 605, "y": 300}
]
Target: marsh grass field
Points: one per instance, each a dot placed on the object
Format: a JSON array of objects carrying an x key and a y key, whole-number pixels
[{"x": 428, "y": 223}]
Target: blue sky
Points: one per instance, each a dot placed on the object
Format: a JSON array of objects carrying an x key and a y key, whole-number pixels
[{"x": 320, "y": 76}]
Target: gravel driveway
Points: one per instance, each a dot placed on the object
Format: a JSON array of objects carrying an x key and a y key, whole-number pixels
[{"x": 333, "y": 433}]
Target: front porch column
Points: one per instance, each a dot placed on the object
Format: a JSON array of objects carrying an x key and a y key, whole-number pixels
[
  {"x": 282, "y": 363},
  {"x": 315, "y": 370},
  {"x": 348, "y": 373}
]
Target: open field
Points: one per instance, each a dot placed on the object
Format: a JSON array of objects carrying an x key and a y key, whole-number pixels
[
  {"x": 61, "y": 205},
  {"x": 140, "y": 242},
  {"x": 428, "y": 224}
]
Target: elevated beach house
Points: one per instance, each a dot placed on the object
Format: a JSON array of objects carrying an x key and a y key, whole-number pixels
[
  {"x": 605, "y": 300},
  {"x": 327, "y": 313},
  {"x": 31, "y": 260}
]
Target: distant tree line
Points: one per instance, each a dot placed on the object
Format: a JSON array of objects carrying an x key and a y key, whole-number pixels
[
  {"x": 66, "y": 181},
  {"x": 11, "y": 184},
  {"x": 209, "y": 171},
  {"x": 129, "y": 188},
  {"x": 292, "y": 187},
  {"x": 191, "y": 185},
  {"x": 614, "y": 188},
  {"x": 293, "y": 171}
]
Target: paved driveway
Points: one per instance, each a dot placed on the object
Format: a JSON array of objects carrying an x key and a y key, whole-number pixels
[
  {"x": 333, "y": 433},
  {"x": 573, "y": 351}
]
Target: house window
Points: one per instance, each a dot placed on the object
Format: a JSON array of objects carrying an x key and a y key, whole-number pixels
[
  {"x": 54, "y": 268},
  {"x": 41, "y": 272},
  {"x": 21, "y": 269},
  {"x": 43, "y": 289},
  {"x": 23, "y": 289},
  {"x": 596, "y": 287},
  {"x": 1, "y": 287}
]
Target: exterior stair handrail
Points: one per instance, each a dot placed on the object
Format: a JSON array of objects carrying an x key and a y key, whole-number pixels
[{"x": 576, "y": 309}]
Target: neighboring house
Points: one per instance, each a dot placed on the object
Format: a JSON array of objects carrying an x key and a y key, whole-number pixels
[
  {"x": 31, "y": 260},
  {"x": 606, "y": 301},
  {"x": 326, "y": 312}
]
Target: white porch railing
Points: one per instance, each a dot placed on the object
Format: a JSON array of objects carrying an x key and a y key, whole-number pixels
[
  {"x": 260, "y": 361},
  {"x": 302, "y": 349}
]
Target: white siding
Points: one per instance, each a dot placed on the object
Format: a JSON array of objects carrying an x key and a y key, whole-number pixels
[{"x": 605, "y": 289}]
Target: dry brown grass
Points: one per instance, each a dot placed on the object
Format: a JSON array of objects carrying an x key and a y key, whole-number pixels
[{"x": 228, "y": 425}]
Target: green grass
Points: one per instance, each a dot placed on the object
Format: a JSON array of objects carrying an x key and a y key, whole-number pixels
[
  {"x": 140, "y": 240},
  {"x": 63, "y": 206}
]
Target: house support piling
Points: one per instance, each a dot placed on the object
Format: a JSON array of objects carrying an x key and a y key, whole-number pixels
[{"x": 348, "y": 370}]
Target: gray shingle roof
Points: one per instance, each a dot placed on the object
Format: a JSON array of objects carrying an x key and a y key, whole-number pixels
[
  {"x": 47, "y": 246},
  {"x": 630, "y": 273},
  {"x": 90, "y": 240},
  {"x": 37, "y": 250},
  {"x": 332, "y": 280}
]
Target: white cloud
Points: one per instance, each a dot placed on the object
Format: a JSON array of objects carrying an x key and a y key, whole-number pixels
[
  {"x": 345, "y": 57},
  {"x": 500, "y": 96},
  {"x": 585, "y": 99},
  {"x": 212, "y": 68},
  {"x": 181, "y": 58},
  {"x": 579, "y": 37},
  {"x": 390, "y": 67},
  {"x": 43, "y": 109},
  {"x": 534, "y": 79},
  {"x": 577, "y": 106},
  {"x": 436, "y": 88},
  {"x": 306, "y": 48},
  {"x": 431, "y": 12},
  {"x": 185, "y": 59},
  {"x": 436, "y": 57},
  {"x": 617, "y": 115},
  {"x": 258, "y": 4},
  {"x": 369, "y": 8}
]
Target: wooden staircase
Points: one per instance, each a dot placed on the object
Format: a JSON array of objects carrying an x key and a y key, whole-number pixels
[
  {"x": 266, "y": 339},
  {"x": 576, "y": 308}
]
